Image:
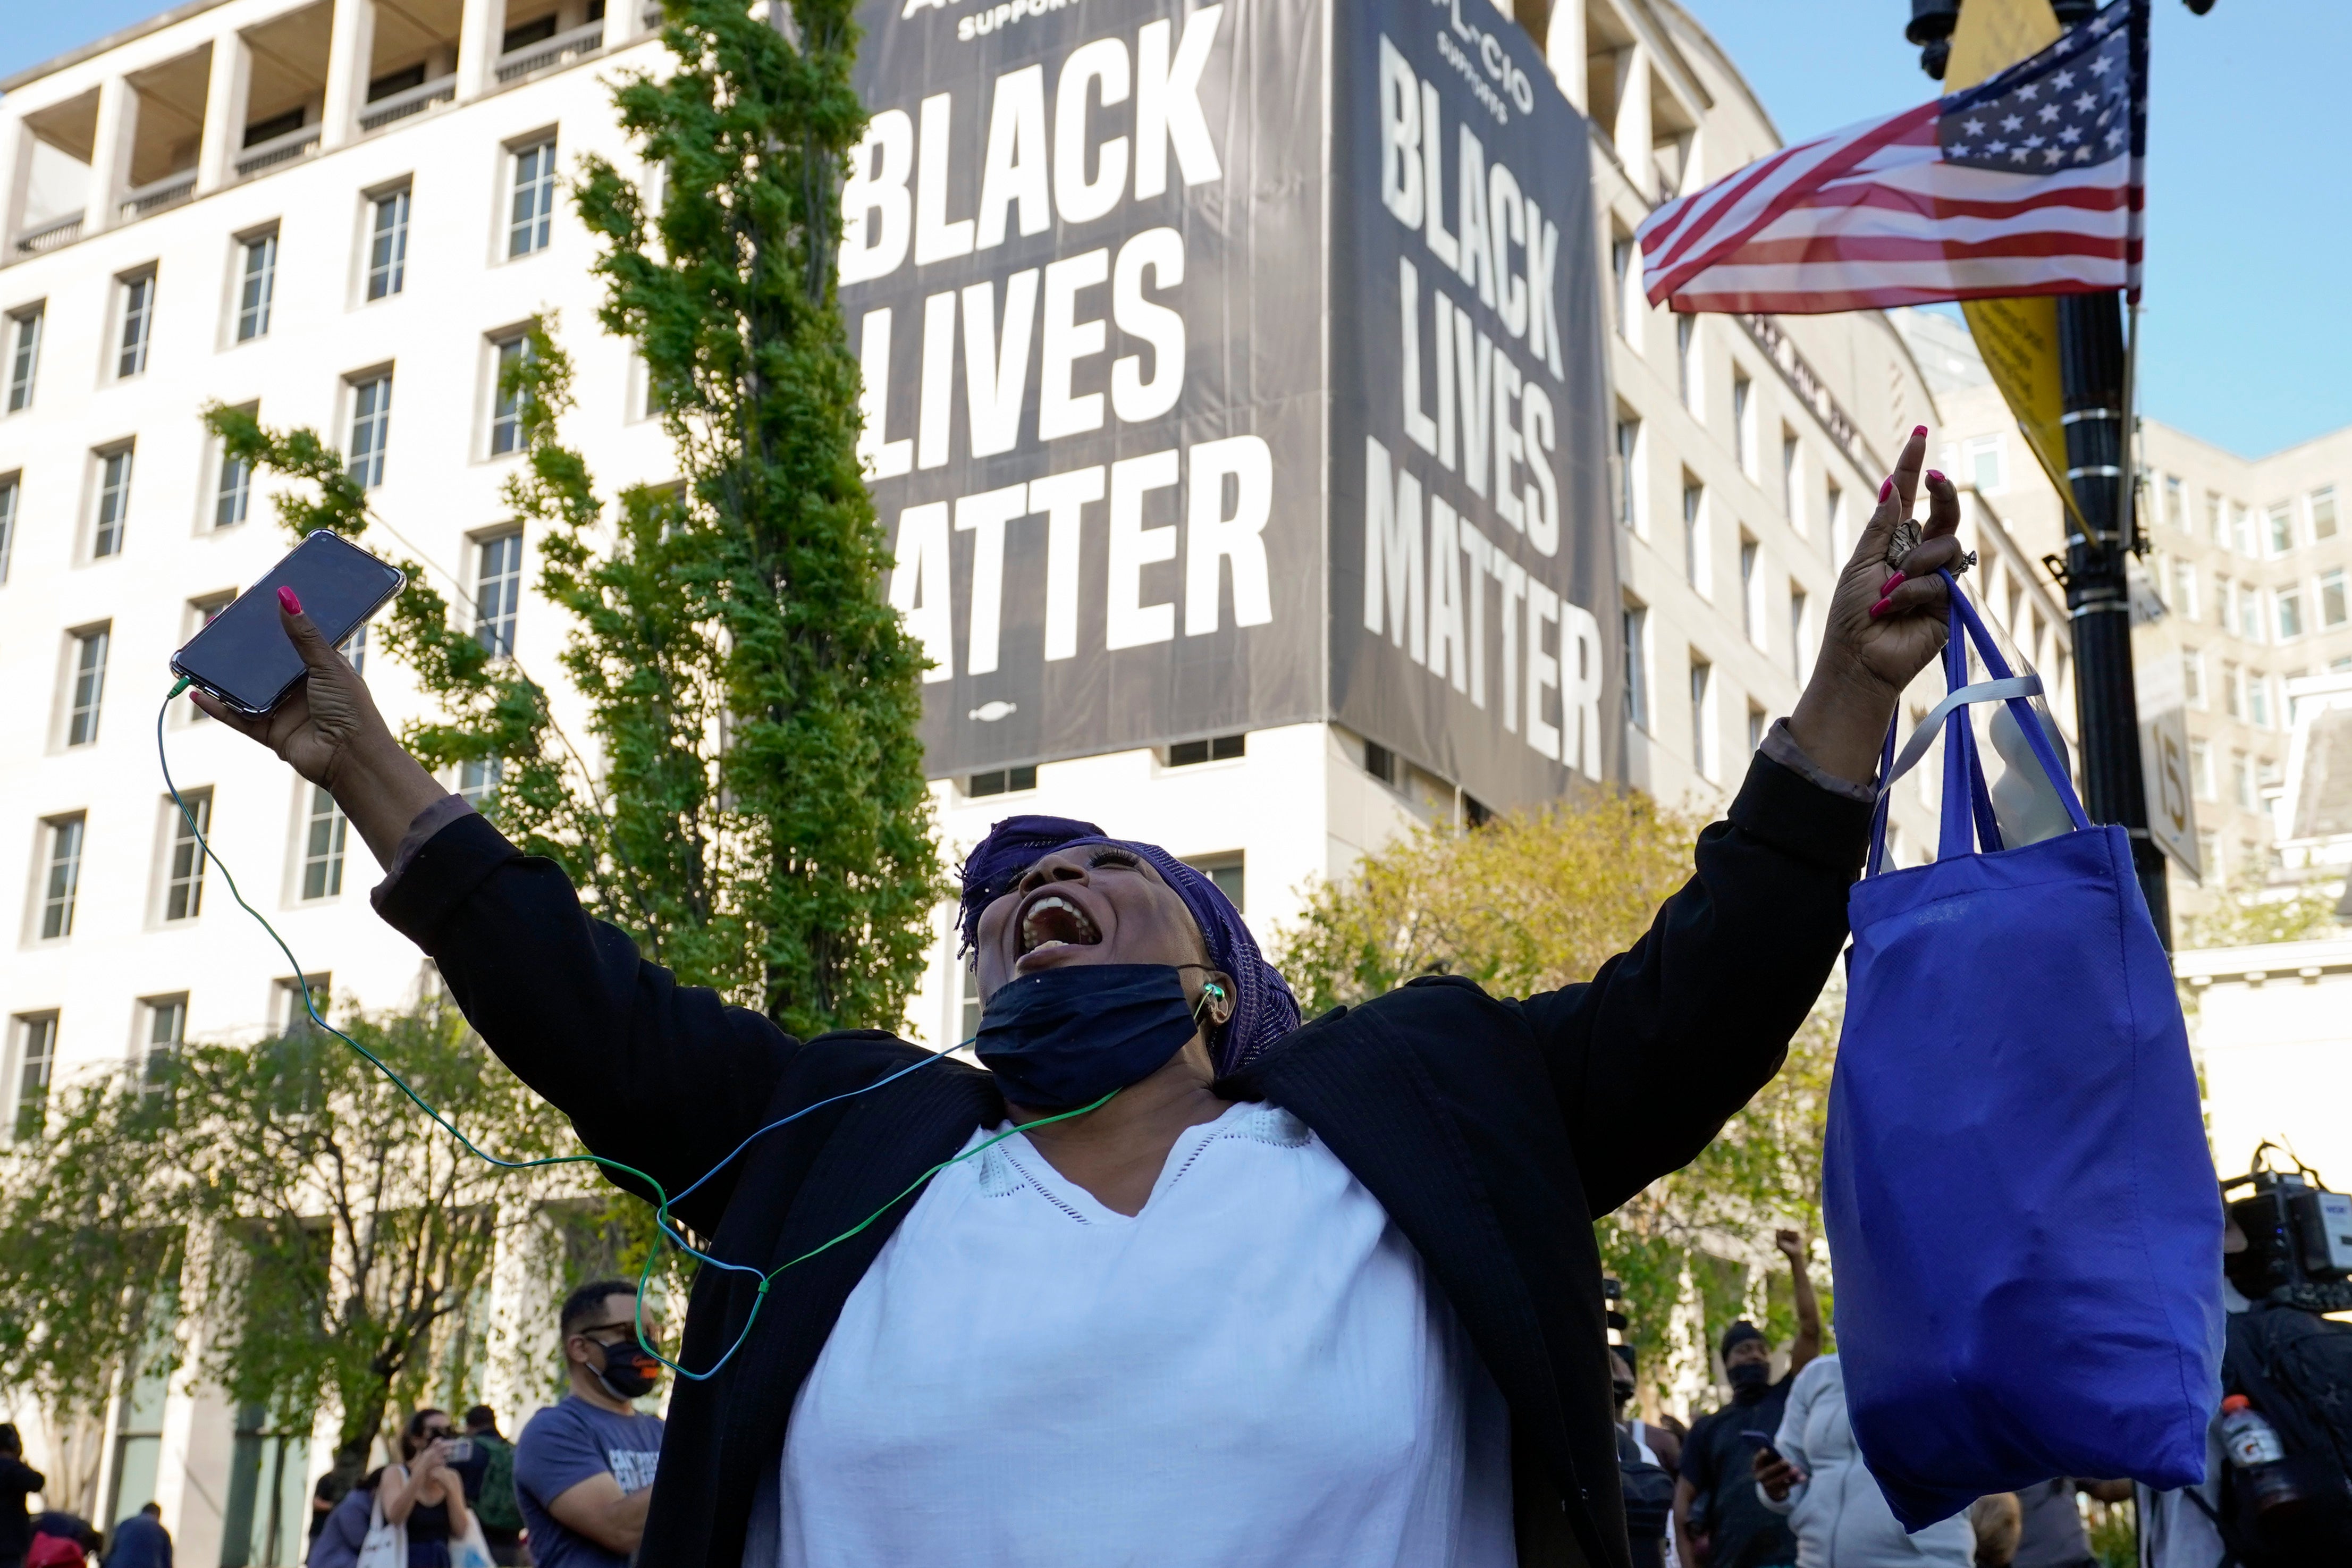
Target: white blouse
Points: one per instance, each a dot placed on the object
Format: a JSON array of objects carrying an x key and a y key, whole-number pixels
[{"x": 1249, "y": 1374}]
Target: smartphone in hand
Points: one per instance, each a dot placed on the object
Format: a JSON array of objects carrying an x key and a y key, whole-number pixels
[{"x": 242, "y": 656}]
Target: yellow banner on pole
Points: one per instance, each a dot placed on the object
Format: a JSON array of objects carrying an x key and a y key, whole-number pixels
[{"x": 2018, "y": 337}]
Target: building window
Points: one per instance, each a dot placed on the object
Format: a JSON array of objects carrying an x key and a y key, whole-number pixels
[
  {"x": 167, "y": 1031},
  {"x": 1743, "y": 439},
  {"x": 1702, "y": 683},
  {"x": 88, "y": 686},
  {"x": 234, "y": 494},
  {"x": 2221, "y": 590},
  {"x": 1792, "y": 489},
  {"x": 114, "y": 502},
  {"x": 354, "y": 649},
  {"x": 1695, "y": 534},
  {"x": 1227, "y": 871},
  {"x": 260, "y": 282},
  {"x": 23, "y": 356},
  {"x": 2176, "y": 504},
  {"x": 183, "y": 883},
  {"x": 1635, "y": 622},
  {"x": 2323, "y": 513},
  {"x": 1381, "y": 762},
  {"x": 505, "y": 399},
  {"x": 293, "y": 1012},
  {"x": 1629, "y": 474},
  {"x": 2258, "y": 699},
  {"x": 2241, "y": 780},
  {"x": 1686, "y": 361},
  {"x": 324, "y": 827},
  {"x": 8, "y": 489},
  {"x": 2281, "y": 519},
  {"x": 2249, "y": 613},
  {"x": 2242, "y": 519},
  {"x": 2331, "y": 595},
  {"x": 1751, "y": 591},
  {"x": 534, "y": 199},
  {"x": 1798, "y": 605},
  {"x": 138, "y": 318},
  {"x": 1220, "y": 749},
  {"x": 1002, "y": 781},
  {"x": 61, "y": 881},
  {"x": 2216, "y": 519},
  {"x": 1987, "y": 463},
  {"x": 388, "y": 246},
  {"x": 497, "y": 588},
  {"x": 1755, "y": 729},
  {"x": 1833, "y": 515},
  {"x": 2233, "y": 701},
  {"x": 2192, "y": 677},
  {"x": 371, "y": 428},
  {"x": 37, "y": 1058},
  {"x": 2200, "y": 769},
  {"x": 1621, "y": 269},
  {"x": 2184, "y": 589},
  {"x": 477, "y": 781},
  {"x": 2290, "y": 614}
]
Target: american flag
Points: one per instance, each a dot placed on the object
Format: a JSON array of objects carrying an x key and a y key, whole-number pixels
[{"x": 2030, "y": 183}]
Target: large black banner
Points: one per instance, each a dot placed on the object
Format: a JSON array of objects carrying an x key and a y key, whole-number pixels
[
  {"x": 1084, "y": 269},
  {"x": 1473, "y": 592},
  {"x": 1144, "y": 291}
]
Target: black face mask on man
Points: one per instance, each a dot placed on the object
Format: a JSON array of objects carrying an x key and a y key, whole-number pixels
[
  {"x": 1066, "y": 1037},
  {"x": 629, "y": 1372},
  {"x": 1750, "y": 1380}
]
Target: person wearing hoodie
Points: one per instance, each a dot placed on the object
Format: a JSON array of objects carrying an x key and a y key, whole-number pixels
[
  {"x": 1718, "y": 1521},
  {"x": 1814, "y": 1475}
]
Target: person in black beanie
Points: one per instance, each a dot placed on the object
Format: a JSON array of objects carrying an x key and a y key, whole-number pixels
[
  {"x": 17, "y": 1479},
  {"x": 1718, "y": 1522}
]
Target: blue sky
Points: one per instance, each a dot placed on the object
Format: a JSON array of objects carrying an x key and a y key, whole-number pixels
[{"x": 2249, "y": 338}]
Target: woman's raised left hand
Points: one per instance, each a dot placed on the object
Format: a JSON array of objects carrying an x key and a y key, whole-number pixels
[{"x": 1885, "y": 623}]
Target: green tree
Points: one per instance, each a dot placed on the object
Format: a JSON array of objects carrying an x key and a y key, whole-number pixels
[
  {"x": 347, "y": 1236},
  {"x": 2248, "y": 912},
  {"x": 1535, "y": 900},
  {"x": 761, "y": 821}
]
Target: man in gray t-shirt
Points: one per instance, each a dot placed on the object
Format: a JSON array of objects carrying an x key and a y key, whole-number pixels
[
  {"x": 584, "y": 1467},
  {"x": 2051, "y": 1535}
]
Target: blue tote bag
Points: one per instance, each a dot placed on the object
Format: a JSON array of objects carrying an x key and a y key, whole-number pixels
[{"x": 2020, "y": 1203}]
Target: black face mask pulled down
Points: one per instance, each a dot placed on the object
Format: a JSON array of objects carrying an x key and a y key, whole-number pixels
[
  {"x": 1750, "y": 1380},
  {"x": 629, "y": 1372},
  {"x": 1068, "y": 1035}
]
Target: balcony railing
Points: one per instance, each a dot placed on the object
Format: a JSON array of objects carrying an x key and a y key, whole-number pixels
[
  {"x": 413, "y": 101},
  {"x": 58, "y": 232},
  {"x": 156, "y": 195},
  {"x": 278, "y": 150},
  {"x": 564, "y": 47}
]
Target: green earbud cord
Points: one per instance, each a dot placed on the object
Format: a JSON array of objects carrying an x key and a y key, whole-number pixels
[{"x": 661, "y": 1211}]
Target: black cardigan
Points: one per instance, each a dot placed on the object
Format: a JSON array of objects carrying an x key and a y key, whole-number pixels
[{"x": 1492, "y": 1130}]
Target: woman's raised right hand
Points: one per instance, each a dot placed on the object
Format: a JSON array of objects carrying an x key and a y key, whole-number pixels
[{"x": 328, "y": 730}]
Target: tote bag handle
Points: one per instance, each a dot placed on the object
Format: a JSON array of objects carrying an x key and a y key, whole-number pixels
[{"x": 1966, "y": 806}]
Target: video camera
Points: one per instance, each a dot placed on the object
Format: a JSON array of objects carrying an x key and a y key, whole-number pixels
[{"x": 2298, "y": 1237}]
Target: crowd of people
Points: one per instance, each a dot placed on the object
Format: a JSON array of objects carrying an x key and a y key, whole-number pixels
[{"x": 1773, "y": 1480}]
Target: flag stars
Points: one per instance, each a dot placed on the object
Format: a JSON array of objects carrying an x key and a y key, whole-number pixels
[
  {"x": 2048, "y": 112},
  {"x": 2013, "y": 123},
  {"x": 1995, "y": 148},
  {"x": 2052, "y": 155},
  {"x": 2101, "y": 66},
  {"x": 2071, "y": 134},
  {"x": 2035, "y": 141},
  {"x": 2029, "y": 91},
  {"x": 2115, "y": 138},
  {"x": 1974, "y": 127},
  {"x": 2085, "y": 103},
  {"x": 2062, "y": 80}
]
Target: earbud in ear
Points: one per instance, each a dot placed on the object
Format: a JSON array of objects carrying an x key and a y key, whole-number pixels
[{"x": 1213, "y": 989}]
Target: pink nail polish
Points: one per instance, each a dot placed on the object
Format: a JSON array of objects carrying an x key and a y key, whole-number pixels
[
  {"x": 1934, "y": 476},
  {"x": 1878, "y": 609},
  {"x": 1888, "y": 587},
  {"x": 1918, "y": 430},
  {"x": 289, "y": 601},
  {"x": 1885, "y": 487}
]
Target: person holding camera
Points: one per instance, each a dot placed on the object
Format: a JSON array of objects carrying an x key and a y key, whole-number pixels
[
  {"x": 423, "y": 1494},
  {"x": 583, "y": 1471}
]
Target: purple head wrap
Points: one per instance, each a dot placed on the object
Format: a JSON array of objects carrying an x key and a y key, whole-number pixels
[{"x": 1264, "y": 1010}]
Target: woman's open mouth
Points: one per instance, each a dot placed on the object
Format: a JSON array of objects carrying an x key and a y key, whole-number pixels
[{"x": 1052, "y": 920}]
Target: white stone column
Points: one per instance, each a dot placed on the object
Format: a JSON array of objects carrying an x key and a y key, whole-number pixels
[
  {"x": 110, "y": 160},
  {"x": 1631, "y": 134},
  {"x": 349, "y": 52},
  {"x": 16, "y": 181},
  {"x": 225, "y": 99},
  {"x": 478, "y": 29},
  {"x": 1565, "y": 51}
]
